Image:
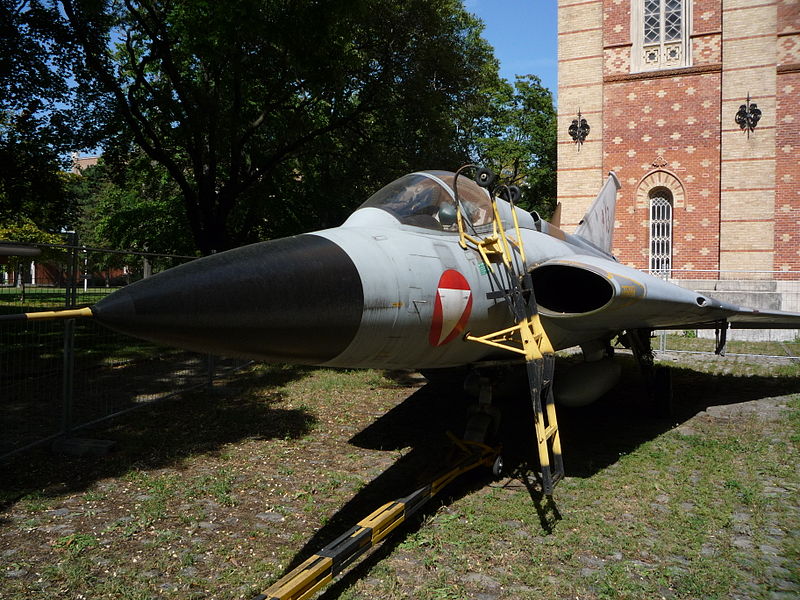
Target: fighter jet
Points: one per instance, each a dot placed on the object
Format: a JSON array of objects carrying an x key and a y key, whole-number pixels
[{"x": 436, "y": 270}]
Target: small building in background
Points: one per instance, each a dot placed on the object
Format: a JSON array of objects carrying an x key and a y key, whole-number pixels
[{"x": 81, "y": 163}]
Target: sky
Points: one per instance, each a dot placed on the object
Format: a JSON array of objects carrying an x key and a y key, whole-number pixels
[{"x": 524, "y": 34}]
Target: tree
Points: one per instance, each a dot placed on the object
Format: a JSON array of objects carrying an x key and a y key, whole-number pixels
[
  {"x": 134, "y": 205},
  {"x": 521, "y": 143},
  {"x": 254, "y": 112},
  {"x": 130, "y": 205},
  {"x": 31, "y": 185},
  {"x": 45, "y": 112}
]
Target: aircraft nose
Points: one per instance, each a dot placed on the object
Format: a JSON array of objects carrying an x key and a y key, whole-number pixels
[{"x": 297, "y": 299}]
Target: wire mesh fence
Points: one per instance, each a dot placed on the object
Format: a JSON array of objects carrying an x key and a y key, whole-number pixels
[
  {"x": 59, "y": 376},
  {"x": 764, "y": 290}
]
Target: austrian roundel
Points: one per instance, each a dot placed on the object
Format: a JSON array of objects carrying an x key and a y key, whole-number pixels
[{"x": 452, "y": 308}]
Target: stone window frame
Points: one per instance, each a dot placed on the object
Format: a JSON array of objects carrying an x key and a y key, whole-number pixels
[
  {"x": 672, "y": 54},
  {"x": 660, "y": 179}
]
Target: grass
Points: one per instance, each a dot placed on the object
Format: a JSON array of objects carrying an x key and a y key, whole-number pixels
[
  {"x": 217, "y": 494},
  {"x": 75, "y": 543},
  {"x": 45, "y": 297},
  {"x": 620, "y": 536}
]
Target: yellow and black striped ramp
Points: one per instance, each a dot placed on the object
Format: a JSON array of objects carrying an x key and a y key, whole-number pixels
[{"x": 316, "y": 572}]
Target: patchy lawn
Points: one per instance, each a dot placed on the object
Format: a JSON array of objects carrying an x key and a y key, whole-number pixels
[{"x": 218, "y": 493}]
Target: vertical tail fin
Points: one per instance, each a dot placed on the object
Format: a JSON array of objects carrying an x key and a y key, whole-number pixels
[
  {"x": 597, "y": 225},
  {"x": 555, "y": 220}
]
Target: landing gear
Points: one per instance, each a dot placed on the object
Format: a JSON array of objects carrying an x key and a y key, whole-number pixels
[
  {"x": 484, "y": 419},
  {"x": 497, "y": 467},
  {"x": 483, "y": 424},
  {"x": 658, "y": 379}
]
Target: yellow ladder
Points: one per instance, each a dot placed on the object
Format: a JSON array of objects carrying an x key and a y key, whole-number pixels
[{"x": 527, "y": 337}]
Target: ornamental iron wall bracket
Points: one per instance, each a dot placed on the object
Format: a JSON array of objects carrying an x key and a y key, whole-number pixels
[
  {"x": 748, "y": 116},
  {"x": 579, "y": 130}
]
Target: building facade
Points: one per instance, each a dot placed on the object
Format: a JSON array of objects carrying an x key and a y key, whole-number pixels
[{"x": 695, "y": 104}]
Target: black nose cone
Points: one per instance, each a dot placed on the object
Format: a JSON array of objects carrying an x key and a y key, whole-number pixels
[{"x": 297, "y": 299}]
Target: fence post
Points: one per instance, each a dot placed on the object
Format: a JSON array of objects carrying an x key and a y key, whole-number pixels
[
  {"x": 212, "y": 365},
  {"x": 70, "y": 293}
]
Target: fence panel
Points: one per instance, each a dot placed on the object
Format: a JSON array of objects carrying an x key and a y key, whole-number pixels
[
  {"x": 59, "y": 376},
  {"x": 31, "y": 368}
]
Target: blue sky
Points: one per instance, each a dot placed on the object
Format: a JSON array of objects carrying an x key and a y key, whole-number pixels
[{"x": 524, "y": 36}]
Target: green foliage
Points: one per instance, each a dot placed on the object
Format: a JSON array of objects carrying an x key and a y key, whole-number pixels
[
  {"x": 133, "y": 205},
  {"x": 31, "y": 187},
  {"x": 264, "y": 133},
  {"x": 24, "y": 231},
  {"x": 519, "y": 141},
  {"x": 46, "y": 110},
  {"x": 249, "y": 131}
]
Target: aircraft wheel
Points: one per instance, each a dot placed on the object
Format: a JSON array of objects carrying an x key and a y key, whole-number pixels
[
  {"x": 478, "y": 427},
  {"x": 497, "y": 467},
  {"x": 485, "y": 178}
]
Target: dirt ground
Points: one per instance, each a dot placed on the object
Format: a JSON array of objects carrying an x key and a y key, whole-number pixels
[{"x": 218, "y": 493}]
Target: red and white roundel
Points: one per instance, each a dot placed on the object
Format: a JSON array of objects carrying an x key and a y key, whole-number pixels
[{"x": 452, "y": 308}]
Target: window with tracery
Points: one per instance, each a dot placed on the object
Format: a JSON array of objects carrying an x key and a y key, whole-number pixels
[
  {"x": 661, "y": 34},
  {"x": 661, "y": 232}
]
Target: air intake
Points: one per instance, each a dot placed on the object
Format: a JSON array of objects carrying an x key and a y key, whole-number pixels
[{"x": 568, "y": 289}]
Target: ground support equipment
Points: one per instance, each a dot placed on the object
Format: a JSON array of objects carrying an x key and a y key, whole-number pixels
[{"x": 320, "y": 569}]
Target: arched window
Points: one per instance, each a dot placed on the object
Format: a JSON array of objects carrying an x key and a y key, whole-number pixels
[
  {"x": 661, "y": 34},
  {"x": 661, "y": 231}
]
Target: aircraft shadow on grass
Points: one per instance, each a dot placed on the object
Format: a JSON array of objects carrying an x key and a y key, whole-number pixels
[
  {"x": 593, "y": 438},
  {"x": 159, "y": 435}
]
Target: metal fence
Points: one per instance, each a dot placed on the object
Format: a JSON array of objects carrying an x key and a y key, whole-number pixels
[
  {"x": 765, "y": 290},
  {"x": 57, "y": 377}
]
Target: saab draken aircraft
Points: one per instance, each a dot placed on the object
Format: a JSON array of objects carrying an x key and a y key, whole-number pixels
[{"x": 436, "y": 270}]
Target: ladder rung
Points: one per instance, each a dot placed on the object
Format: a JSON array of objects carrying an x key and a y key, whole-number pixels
[{"x": 548, "y": 433}]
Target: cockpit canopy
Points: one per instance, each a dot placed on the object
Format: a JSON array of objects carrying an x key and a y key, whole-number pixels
[{"x": 426, "y": 199}]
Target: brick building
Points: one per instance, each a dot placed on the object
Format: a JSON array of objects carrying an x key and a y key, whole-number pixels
[{"x": 660, "y": 83}]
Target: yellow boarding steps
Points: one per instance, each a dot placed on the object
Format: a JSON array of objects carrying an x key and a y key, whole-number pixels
[{"x": 527, "y": 337}]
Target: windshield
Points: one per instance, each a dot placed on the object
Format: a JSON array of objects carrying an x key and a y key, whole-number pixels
[{"x": 426, "y": 200}]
